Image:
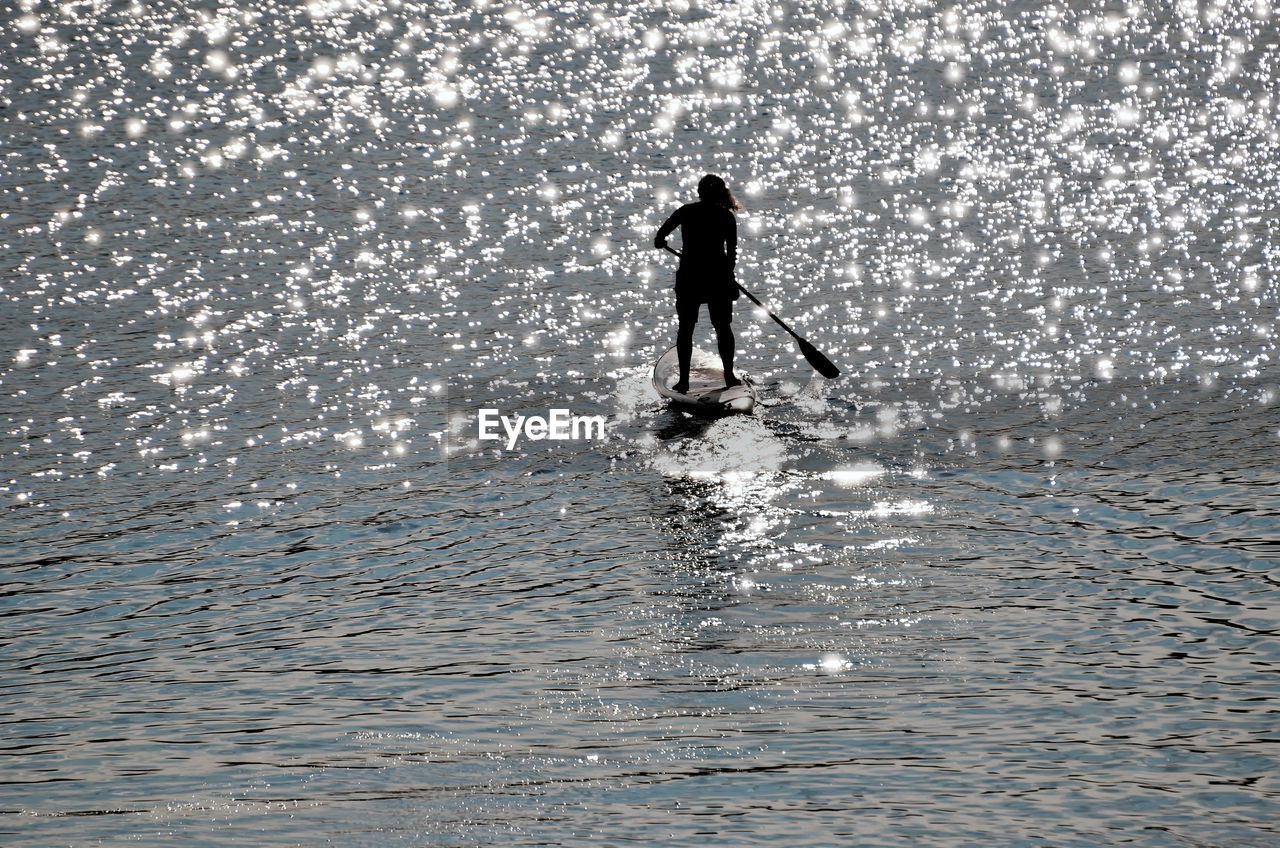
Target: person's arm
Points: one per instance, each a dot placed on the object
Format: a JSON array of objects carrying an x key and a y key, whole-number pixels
[
  {"x": 731, "y": 241},
  {"x": 660, "y": 240}
]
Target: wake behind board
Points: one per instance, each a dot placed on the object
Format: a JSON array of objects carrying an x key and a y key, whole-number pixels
[{"x": 707, "y": 391}]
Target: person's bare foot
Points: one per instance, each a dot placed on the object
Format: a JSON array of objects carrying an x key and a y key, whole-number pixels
[
  {"x": 680, "y": 387},
  {"x": 731, "y": 381}
]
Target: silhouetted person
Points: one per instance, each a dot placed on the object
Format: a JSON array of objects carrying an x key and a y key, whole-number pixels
[{"x": 709, "y": 232}]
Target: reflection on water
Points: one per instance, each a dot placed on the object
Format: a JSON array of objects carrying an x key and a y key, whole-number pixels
[{"x": 1009, "y": 580}]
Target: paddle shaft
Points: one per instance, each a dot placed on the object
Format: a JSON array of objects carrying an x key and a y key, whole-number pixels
[{"x": 820, "y": 362}]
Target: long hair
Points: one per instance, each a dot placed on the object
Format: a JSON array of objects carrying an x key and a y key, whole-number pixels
[{"x": 715, "y": 190}]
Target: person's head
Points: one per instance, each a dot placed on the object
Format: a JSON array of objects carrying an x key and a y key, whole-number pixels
[{"x": 713, "y": 189}]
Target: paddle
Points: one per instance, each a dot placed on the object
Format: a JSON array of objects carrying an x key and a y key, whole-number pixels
[{"x": 814, "y": 356}]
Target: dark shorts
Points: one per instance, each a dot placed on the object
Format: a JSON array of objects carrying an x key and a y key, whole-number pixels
[
  {"x": 719, "y": 309},
  {"x": 705, "y": 281}
]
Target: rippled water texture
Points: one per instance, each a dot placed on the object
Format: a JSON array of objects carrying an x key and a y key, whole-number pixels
[{"x": 1010, "y": 580}]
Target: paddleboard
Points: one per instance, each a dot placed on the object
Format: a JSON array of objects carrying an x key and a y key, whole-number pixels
[{"x": 707, "y": 391}]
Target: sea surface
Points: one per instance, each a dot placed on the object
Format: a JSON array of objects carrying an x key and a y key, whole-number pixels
[{"x": 1010, "y": 580}]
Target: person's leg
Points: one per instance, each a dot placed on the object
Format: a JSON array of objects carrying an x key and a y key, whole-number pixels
[
  {"x": 687, "y": 312},
  {"x": 721, "y": 312}
]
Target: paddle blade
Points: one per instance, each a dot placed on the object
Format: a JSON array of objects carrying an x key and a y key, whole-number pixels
[
  {"x": 818, "y": 360},
  {"x": 815, "y": 357}
]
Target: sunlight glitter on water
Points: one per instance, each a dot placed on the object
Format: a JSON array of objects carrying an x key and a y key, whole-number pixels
[{"x": 263, "y": 261}]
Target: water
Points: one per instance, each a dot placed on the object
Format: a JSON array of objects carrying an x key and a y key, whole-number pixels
[{"x": 1010, "y": 580}]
